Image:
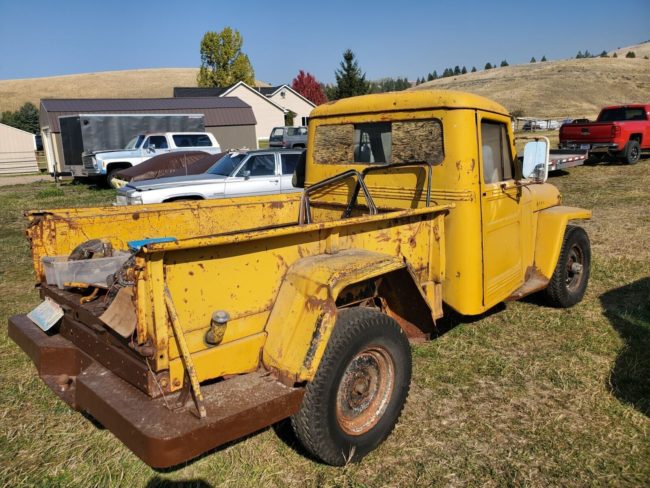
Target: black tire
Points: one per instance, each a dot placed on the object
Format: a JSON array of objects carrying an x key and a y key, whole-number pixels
[
  {"x": 367, "y": 365},
  {"x": 110, "y": 176},
  {"x": 569, "y": 281},
  {"x": 632, "y": 152}
]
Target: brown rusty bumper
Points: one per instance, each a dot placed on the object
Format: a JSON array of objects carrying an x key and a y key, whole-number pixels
[{"x": 159, "y": 436}]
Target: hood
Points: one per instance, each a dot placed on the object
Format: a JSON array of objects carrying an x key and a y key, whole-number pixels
[
  {"x": 116, "y": 154},
  {"x": 175, "y": 181}
]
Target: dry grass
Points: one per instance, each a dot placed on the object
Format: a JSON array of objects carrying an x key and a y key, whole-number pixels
[
  {"x": 140, "y": 83},
  {"x": 639, "y": 50},
  {"x": 570, "y": 88},
  {"x": 525, "y": 396}
]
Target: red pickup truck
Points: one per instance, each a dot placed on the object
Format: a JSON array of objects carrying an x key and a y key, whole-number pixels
[{"x": 620, "y": 132}]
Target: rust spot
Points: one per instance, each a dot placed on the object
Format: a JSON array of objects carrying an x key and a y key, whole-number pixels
[
  {"x": 473, "y": 165},
  {"x": 191, "y": 273},
  {"x": 202, "y": 266},
  {"x": 276, "y": 205},
  {"x": 412, "y": 242},
  {"x": 136, "y": 216},
  {"x": 457, "y": 274},
  {"x": 459, "y": 165}
]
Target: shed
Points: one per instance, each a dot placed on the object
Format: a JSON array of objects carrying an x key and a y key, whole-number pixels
[
  {"x": 17, "y": 151},
  {"x": 230, "y": 119}
]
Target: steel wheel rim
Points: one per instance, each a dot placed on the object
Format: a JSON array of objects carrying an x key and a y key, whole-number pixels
[
  {"x": 365, "y": 390},
  {"x": 634, "y": 153},
  {"x": 575, "y": 267}
]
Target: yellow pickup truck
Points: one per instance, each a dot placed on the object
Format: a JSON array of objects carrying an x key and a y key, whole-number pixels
[{"x": 227, "y": 316}]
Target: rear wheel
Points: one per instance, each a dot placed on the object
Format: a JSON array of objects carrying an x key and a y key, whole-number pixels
[
  {"x": 569, "y": 281},
  {"x": 632, "y": 152},
  {"x": 359, "y": 390}
]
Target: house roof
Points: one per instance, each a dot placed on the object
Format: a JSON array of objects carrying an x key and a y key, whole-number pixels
[
  {"x": 193, "y": 91},
  {"x": 218, "y": 111}
]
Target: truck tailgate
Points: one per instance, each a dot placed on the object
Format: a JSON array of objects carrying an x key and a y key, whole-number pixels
[{"x": 594, "y": 132}]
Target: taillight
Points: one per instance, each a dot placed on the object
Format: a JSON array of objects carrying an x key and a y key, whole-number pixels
[{"x": 616, "y": 130}]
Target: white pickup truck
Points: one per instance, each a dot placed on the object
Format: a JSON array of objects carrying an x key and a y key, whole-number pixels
[{"x": 144, "y": 147}]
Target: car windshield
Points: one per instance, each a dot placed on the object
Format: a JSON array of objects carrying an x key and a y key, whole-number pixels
[
  {"x": 226, "y": 165},
  {"x": 135, "y": 143}
]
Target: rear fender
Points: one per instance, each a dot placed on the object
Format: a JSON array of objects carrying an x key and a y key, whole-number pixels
[
  {"x": 305, "y": 310},
  {"x": 551, "y": 224}
]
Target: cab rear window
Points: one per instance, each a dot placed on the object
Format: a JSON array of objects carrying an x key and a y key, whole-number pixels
[{"x": 380, "y": 142}]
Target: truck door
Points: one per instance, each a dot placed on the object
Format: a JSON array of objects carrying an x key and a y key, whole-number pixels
[
  {"x": 500, "y": 212},
  {"x": 257, "y": 176},
  {"x": 155, "y": 145}
]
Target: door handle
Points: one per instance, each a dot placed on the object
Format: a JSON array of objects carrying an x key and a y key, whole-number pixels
[{"x": 275, "y": 181}]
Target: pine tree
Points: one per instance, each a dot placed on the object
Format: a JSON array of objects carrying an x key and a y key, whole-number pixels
[
  {"x": 532, "y": 60},
  {"x": 25, "y": 118},
  {"x": 614, "y": 55},
  {"x": 630, "y": 54},
  {"x": 350, "y": 81},
  {"x": 488, "y": 66},
  {"x": 456, "y": 70},
  {"x": 604, "y": 54},
  {"x": 504, "y": 63},
  {"x": 435, "y": 74},
  {"x": 463, "y": 71},
  {"x": 473, "y": 69},
  {"x": 580, "y": 55},
  {"x": 543, "y": 60}
]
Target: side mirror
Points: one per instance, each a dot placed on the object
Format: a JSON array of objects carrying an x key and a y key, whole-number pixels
[
  {"x": 535, "y": 164},
  {"x": 151, "y": 147},
  {"x": 247, "y": 174}
]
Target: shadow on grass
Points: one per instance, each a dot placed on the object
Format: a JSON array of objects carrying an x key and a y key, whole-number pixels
[
  {"x": 452, "y": 319},
  {"x": 628, "y": 310},
  {"x": 159, "y": 482}
]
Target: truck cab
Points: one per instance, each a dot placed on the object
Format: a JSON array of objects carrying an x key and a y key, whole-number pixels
[
  {"x": 502, "y": 232},
  {"x": 143, "y": 147}
]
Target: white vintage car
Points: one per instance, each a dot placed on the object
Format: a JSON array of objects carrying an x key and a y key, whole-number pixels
[{"x": 237, "y": 174}]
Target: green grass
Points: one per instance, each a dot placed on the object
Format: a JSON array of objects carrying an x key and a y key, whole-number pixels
[{"x": 524, "y": 396}]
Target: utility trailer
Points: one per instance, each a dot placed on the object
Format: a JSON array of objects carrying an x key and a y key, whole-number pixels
[
  {"x": 87, "y": 134},
  {"x": 233, "y": 314}
]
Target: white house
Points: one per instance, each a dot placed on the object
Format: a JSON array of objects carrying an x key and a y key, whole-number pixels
[
  {"x": 287, "y": 97},
  {"x": 270, "y": 104}
]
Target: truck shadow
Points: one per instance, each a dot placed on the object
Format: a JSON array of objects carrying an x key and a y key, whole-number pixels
[
  {"x": 159, "y": 482},
  {"x": 628, "y": 310}
]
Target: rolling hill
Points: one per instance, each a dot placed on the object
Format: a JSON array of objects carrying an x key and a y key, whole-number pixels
[
  {"x": 558, "y": 89},
  {"x": 553, "y": 89},
  {"x": 141, "y": 83}
]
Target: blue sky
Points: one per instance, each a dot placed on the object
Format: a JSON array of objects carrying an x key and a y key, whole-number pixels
[{"x": 390, "y": 38}]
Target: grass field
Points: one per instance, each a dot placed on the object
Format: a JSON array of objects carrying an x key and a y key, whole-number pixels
[{"x": 523, "y": 396}]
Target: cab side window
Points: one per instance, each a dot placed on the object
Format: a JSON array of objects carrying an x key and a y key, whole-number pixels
[
  {"x": 497, "y": 160},
  {"x": 262, "y": 165}
]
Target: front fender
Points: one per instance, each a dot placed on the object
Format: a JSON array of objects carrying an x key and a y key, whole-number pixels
[
  {"x": 304, "y": 312},
  {"x": 551, "y": 224}
]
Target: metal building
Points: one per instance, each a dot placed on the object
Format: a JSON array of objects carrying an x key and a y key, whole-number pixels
[
  {"x": 230, "y": 120},
  {"x": 17, "y": 151}
]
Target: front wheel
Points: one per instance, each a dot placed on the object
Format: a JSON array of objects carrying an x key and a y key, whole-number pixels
[
  {"x": 359, "y": 390},
  {"x": 569, "y": 281}
]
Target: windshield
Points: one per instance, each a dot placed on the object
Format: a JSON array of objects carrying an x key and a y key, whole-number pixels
[
  {"x": 226, "y": 165},
  {"x": 621, "y": 114},
  {"x": 135, "y": 143}
]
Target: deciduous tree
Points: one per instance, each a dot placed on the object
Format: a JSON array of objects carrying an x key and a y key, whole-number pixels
[
  {"x": 307, "y": 85},
  {"x": 222, "y": 61},
  {"x": 25, "y": 118}
]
